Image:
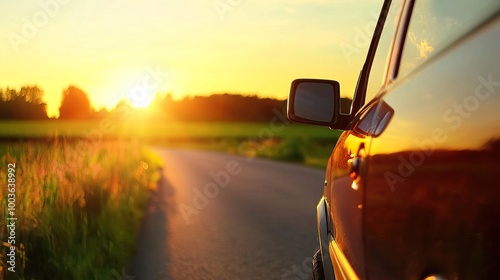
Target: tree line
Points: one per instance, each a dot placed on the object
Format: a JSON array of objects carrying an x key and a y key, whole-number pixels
[
  {"x": 23, "y": 104},
  {"x": 216, "y": 107},
  {"x": 27, "y": 104}
]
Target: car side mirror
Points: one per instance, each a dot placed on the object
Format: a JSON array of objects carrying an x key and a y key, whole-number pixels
[{"x": 314, "y": 101}]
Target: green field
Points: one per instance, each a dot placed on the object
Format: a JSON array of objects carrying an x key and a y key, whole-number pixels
[
  {"x": 161, "y": 130},
  {"x": 280, "y": 140}
]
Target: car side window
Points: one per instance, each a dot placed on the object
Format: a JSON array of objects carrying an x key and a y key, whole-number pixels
[
  {"x": 435, "y": 24},
  {"x": 378, "y": 69}
]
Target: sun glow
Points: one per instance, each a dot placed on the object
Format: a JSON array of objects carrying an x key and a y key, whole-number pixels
[{"x": 141, "y": 99}]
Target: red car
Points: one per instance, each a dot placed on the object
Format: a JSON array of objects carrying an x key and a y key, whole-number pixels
[{"x": 411, "y": 190}]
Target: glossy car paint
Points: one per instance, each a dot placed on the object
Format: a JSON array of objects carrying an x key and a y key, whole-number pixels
[
  {"x": 432, "y": 186},
  {"x": 344, "y": 194},
  {"x": 411, "y": 187}
]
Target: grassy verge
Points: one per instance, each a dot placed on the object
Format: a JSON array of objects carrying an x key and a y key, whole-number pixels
[
  {"x": 78, "y": 206},
  {"x": 313, "y": 152}
]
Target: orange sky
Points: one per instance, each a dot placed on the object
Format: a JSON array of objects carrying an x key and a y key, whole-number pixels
[{"x": 135, "y": 48}]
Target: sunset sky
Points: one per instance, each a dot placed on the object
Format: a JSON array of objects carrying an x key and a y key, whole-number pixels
[{"x": 123, "y": 48}]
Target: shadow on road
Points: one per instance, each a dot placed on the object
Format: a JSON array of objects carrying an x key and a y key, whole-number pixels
[{"x": 151, "y": 259}]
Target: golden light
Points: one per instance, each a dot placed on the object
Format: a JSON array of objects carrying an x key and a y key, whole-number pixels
[{"x": 141, "y": 98}]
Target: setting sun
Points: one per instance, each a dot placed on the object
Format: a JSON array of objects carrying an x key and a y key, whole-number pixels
[{"x": 140, "y": 98}]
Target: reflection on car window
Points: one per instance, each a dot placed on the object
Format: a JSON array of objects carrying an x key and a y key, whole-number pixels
[
  {"x": 435, "y": 24},
  {"x": 377, "y": 72}
]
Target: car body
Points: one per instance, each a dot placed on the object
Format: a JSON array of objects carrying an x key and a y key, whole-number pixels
[{"x": 412, "y": 188}]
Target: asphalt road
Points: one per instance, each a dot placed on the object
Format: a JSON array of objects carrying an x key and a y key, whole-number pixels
[{"x": 218, "y": 216}]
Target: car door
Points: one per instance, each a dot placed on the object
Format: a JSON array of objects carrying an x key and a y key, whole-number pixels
[
  {"x": 345, "y": 187},
  {"x": 432, "y": 184}
]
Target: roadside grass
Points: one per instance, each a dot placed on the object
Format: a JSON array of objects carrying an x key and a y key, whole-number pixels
[
  {"x": 79, "y": 205},
  {"x": 304, "y": 150},
  {"x": 312, "y": 152}
]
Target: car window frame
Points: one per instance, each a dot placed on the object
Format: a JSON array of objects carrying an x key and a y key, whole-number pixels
[
  {"x": 387, "y": 51},
  {"x": 359, "y": 99},
  {"x": 399, "y": 42}
]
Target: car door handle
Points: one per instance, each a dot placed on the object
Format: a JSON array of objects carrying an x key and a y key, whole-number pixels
[{"x": 354, "y": 164}]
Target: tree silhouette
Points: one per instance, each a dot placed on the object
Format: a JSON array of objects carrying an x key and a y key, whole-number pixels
[
  {"x": 75, "y": 104},
  {"x": 31, "y": 94},
  {"x": 25, "y": 104}
]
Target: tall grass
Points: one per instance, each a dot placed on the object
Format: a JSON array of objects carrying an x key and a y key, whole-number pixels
[
  {"x": 310, "y": 151},
  {"x": 79, "y": 206}
]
